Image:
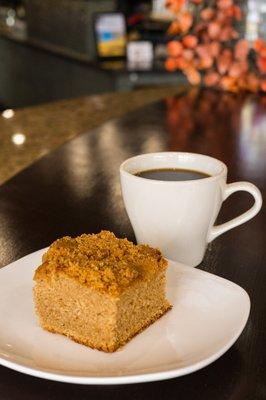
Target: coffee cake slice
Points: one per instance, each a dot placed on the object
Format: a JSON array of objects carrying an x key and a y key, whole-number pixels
[{"x": 100, "y": 290}]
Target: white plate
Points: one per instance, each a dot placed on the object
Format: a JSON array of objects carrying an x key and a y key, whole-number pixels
[{"x": 208, "y": 315}]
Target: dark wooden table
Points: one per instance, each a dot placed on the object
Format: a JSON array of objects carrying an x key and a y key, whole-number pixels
[{"x": 76, "y": 189}]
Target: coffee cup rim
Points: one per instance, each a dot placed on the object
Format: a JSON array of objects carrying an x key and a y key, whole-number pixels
[{"x": 215, "y": 176}]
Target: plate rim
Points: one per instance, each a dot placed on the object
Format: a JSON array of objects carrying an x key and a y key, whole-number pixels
[{"x": 134, "y": 378}]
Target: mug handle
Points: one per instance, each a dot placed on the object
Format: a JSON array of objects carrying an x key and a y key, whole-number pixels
[{"x": 232, "y": 188}]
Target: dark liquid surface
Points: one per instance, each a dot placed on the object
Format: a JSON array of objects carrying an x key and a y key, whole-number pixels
[{"x": 172, "y": 174}]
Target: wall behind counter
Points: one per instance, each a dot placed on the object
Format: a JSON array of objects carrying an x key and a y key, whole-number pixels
[
  {"x": 33, "y": 72},
  {"x": 30, "y": 75}
]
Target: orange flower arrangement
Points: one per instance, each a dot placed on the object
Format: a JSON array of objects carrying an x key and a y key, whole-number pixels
[{"x": 206, "y": 47}]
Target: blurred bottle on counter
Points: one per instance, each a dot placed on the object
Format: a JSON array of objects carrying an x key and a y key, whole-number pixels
[
  {"x": 255, "y": 26},
  {"x": 12, "y": 17}
]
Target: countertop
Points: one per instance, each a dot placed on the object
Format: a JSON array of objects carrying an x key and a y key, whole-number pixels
[
  {"x": 76, "y": 189},
  {"x": 29, "y": 133}
]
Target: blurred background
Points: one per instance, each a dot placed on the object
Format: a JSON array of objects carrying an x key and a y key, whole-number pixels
[{"x": 52, "y": 50}]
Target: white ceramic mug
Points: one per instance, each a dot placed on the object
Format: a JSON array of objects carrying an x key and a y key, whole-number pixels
[{"x": 178, "y": 216}]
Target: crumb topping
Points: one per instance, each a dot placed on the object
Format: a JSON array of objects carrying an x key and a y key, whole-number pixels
[{"x": 101, "y": 261}]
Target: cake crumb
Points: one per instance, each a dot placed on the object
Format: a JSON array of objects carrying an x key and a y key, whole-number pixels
[{"x": 101, "y": 261}]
